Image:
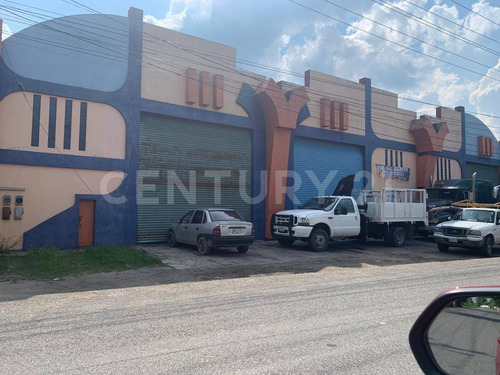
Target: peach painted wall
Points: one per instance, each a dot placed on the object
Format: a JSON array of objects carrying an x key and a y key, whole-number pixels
[
  {"x": 164, "y": 68},
  {"x": 106, "y": 130},
  {"x": 409, "y": 161},
  {"x": 388, "y": 120},
  {"x": 453, "y": 118},
  {"x": 456, "y": 170},
  {"x": 333, "y": 88},
  {"x": 48, "y": 192}
]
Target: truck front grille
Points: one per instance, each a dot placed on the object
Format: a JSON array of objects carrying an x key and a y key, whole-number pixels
[
  {"x": 457, "y": 232},
  {"x": 282, "y": 219}
]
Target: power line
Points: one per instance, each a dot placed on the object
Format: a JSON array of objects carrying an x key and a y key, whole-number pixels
[
  {"x": 476, "y": 13},
  {"x": 395, "y": 43},
  {"x": 309, "y": 90},
  {"x": 261, "y": 66},
  {"x": 451, "y": 21},
  {"x": 412, "y": 37},
  {"x": 394, "y": 8}
]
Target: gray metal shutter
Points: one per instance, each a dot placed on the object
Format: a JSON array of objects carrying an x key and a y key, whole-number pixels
[
  {"x": 484, "y": 172},
  {"x": 321, "y": 158},
  {"x": 170, "y": 144}
]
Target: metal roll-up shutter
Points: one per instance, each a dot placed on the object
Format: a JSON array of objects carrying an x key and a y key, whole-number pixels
[
  {"x": 319, "y": 158},
  {"x": 172, "y": 151},
  {"x": 484, "y": 172}
]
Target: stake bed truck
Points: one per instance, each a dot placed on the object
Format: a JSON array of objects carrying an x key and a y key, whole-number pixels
[{"x": 389, "y": 213}]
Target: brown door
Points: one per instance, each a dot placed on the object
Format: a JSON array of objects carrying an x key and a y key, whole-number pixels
[{"x": 86, "y": 224}]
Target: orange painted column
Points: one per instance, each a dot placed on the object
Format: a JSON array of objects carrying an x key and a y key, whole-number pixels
[
  {"x": 426, "y": 165},
  {"x": 429, "y": 137},
  {"x": 280, "y": 115}
]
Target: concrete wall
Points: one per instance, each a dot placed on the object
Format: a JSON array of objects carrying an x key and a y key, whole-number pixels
[
  {"x": 320, "y": 85},
  {"x": 49, "y": 191},
  {"x": 106, "y": 131},
  {"x": 409, "y": 161},
  {"x": 453, "y": 141},
  {"x": 389, "y": 121},
  {"x": 87, "y": 51},
  {"x": 167, "y": 55},
  {"x": 456, "y": 170},
  {"x": 475, "y": 128}
]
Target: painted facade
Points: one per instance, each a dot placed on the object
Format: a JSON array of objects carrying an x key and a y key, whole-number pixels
[{"x": 76, "y": 124}]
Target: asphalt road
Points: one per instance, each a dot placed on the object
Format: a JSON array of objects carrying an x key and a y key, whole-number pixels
[
  {"x": 464, "y": 341},
  {"x": 333, "y": 320}
]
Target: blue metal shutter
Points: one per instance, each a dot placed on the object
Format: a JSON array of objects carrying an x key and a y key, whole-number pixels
[
  {"x": 170, "y": 144},
  {"x": 321, "y": 158}
]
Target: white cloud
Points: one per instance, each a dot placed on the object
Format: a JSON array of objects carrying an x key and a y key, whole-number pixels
[
  {"x": 478, "y": 23},
  {"x": 179, "y": 11},
  {"x": 485, "y": 98}
]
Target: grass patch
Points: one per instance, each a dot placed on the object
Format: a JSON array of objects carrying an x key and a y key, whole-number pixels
[
  {"x": 4, "y": 265},
  {"x": 50, "y": 263}
]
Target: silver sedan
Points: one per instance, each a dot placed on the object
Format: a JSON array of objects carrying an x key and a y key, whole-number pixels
[{"x": 210, "y": 228}]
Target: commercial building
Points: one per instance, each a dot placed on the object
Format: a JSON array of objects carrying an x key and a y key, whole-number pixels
[{"x": 111, "y": 128}]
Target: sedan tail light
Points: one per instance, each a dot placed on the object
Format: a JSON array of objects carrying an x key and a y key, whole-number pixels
[
  {"x": 216, "y": 231},
  {"x": 253, "y": 231}
]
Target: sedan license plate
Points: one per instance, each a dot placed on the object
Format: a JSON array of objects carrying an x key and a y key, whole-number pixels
[
  {"x": 453, "y": 239},
  {"x": 237, "y": 231}
]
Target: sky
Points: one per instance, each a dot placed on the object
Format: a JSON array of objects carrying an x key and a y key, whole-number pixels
[{"x": 443, "y": 52}]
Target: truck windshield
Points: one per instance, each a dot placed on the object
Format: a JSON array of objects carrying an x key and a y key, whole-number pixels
[
  {"x": 319, "y": 203},
  {"x": 452, "y": 195},
  {"x": 478, "y": 215}
]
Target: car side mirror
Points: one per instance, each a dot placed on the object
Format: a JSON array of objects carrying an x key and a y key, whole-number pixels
[
  {"x": 178, "y": 221},
  {"x": 448, "y": 218},
  {"x": 458, "y": 333}
]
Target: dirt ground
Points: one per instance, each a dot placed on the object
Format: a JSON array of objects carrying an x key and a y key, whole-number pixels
[{"x": 184, "y": 264}]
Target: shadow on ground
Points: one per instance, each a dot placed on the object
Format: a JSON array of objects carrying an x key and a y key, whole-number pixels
[{"x": 184, "y": 264}]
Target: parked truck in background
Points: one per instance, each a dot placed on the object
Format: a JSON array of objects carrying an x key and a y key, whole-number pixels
[
  {"x": 446, "y": 192},
  {"x": 390, "y": 214}
]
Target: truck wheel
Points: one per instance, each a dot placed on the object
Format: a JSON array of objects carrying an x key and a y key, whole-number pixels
[
  {"x": 397, "y": 236},
  {"x": 286, "y": 241},
  {"x": 171, "y": 241},
  {"x": 319, "y": 240},
  {"x": 486, "y": 249},
  {"x": 443, "y": 248},
  {"x": 203, "y": 247},
  {"x": 242, "y": 249}
]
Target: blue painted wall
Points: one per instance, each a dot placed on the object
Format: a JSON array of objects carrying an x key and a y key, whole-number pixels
[
  {"x": 476, "y": 128},
  {"x": 115, "y": 223},
  {"x": 88, "y": 51}
]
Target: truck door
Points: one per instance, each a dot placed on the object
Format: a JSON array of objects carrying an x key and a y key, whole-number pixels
[{"x": 345, "y": 220}]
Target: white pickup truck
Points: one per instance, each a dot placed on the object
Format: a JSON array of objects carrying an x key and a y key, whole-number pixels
[
  {"x": 476, "y": 228},
  {"x": 388, "y": 214}
]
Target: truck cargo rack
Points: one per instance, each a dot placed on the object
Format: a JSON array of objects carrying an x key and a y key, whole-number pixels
[
  {"x": 391, "y": 205},
  {"x": 470, "y": 204}
]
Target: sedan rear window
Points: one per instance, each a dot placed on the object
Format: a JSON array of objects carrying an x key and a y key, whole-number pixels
[{"x": 225, "y": 215}]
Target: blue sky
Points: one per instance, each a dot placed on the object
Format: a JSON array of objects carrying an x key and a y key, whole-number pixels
[{"x": 288, "y": 37}]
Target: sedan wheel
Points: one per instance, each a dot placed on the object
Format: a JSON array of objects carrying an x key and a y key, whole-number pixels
[
  {"x": 203, "y": 247},
  {"x": 242, "y": 249},
  {"x": 171, "y": 241}
]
